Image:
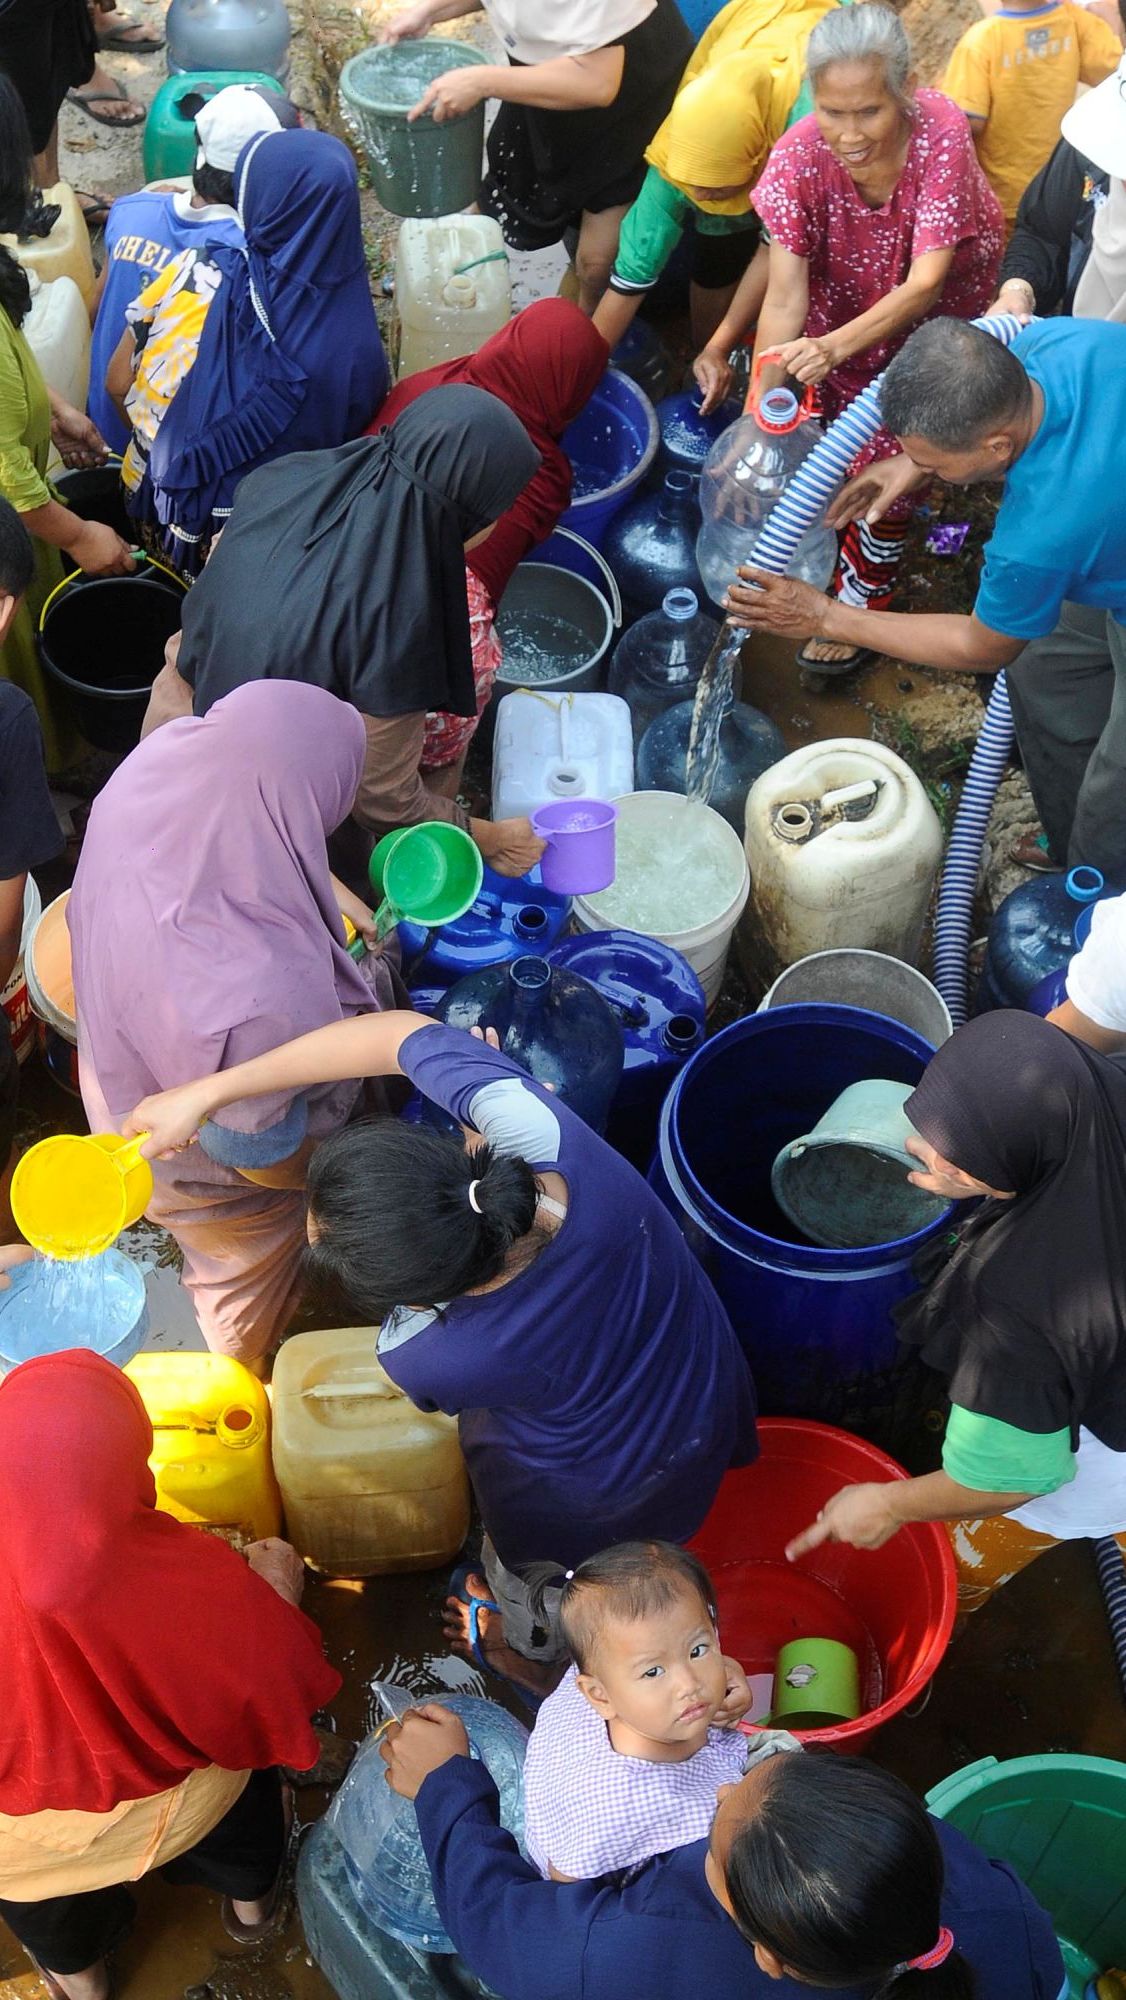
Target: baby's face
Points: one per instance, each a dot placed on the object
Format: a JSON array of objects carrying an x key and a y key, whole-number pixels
[{"x": 663, "y": 1677}]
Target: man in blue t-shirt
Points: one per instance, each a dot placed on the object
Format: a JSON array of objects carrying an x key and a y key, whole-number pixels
[
  {"x": 1047, "y": 416},
  {"x": 145, "y": 230}
]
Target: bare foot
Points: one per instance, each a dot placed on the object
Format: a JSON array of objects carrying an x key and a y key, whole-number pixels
[
  {"x": 499, "y": 1657},
  {"x": 825, "y": 650}
]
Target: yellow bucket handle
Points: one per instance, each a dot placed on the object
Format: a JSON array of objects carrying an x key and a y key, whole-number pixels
[
  {"x": 129, "y": 1155},
  {"x": 77, "y": 575}
]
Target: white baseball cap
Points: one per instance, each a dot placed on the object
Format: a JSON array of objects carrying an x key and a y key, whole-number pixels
[
  {"x": 1096, "y": 124},
  {"x": 234, "y": 116}
]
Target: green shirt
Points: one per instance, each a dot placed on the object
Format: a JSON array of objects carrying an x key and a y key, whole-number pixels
[{"x": 994, "y": 1457}]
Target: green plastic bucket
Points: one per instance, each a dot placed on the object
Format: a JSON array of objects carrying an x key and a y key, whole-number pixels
[
  {"x": 428, "y": 874},
  {"x": 1060, "y": 1824},
  {"x": 417, "y": 169}
]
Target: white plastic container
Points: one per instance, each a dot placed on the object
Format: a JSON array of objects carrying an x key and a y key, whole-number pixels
[
  {"x": 15, "y": 998},
  {"x": 681, "y": 877},
  {"x": 843, "y": 844},
  {"x": 57, "y": 330},
  {"x": 559, "y": 746},
  {"x": 444, "y": 310},
  {"x": 66, "y": 251},
  {"x": 370, "y": 1484}
]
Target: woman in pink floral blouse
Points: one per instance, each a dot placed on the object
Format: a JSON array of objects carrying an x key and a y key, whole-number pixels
[{"x": 879, "y": 217}]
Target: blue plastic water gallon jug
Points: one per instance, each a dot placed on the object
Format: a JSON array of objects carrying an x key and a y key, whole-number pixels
[
  {"x": 554, "y": 1024},
  {"x": 378, "y": 1831},
  {"x": 749, "y": 743},
  {"x": 1032, "y": 935},
  {"x": 687, "y": 435},
  {"x": 660, "y": 1005},
  {"x": 511, "y": 916},
  {"x": 651, "y": 544},
  {"x": 659, "y": 660}
]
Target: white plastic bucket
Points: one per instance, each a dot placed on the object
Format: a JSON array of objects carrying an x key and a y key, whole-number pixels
[
  {"x": 15, "y": 999},
  {"x": 705, "y": 945}
]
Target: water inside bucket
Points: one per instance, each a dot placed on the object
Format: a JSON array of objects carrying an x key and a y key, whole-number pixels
[
  {"x": 540, "y": 646},
  {"x": 764, "y": 1605},
  {"x": 846, "y": 1197},
  {"x": 587, "y": 477},
  {"x": 395, "y": 78},
  {"x": 670, "y": 879},
  {"x": 90, "y": 1302}
]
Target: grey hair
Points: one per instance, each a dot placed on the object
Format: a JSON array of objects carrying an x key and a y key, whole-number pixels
[
  {"x": 951, "y": 384},
  {"x": 869, "y": 32}
]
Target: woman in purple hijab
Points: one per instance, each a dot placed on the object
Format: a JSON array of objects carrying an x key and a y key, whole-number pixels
[{"x": 206, "y": 928}]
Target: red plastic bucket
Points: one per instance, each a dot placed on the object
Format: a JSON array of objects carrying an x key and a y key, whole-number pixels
[{"x": 894, "y": 1606}]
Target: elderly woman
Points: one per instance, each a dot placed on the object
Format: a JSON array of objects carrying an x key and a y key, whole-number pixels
[
  {"x": 153, "y": 1682},
  {"x": 1027, "y": 1321},
  {"x": 742, "y": 89},
  {"x": 584, "y": 87},
  {"x": 879, "y": 217}
]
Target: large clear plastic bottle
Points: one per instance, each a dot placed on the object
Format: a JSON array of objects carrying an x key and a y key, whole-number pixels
[
  {"x": 659, "y": 660},
  {"x": 745, "y": 475},
  {"x": 229, "y": 34}
]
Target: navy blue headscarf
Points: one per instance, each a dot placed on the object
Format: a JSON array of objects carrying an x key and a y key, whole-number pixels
[{"x": 290, "y": 357}]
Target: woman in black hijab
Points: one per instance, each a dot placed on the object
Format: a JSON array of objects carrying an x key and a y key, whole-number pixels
[
  {"x": 346, "y": 569},
  {"x": 1027, "y": 1319}
]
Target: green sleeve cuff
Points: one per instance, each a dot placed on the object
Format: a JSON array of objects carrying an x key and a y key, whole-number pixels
[
  {"x": 993, "y": 1457},
  {"x": 650, "y": 232}
]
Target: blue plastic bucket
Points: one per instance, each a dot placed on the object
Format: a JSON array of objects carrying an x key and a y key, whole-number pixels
[
  {"x": 98, "y": 1302},
  {"x": 815, "y": 1323},
  {"x": 611, "y": 445}
]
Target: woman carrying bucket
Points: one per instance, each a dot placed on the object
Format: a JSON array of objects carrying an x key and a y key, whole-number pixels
[
  {"x": 526, "y": 1280},
  {"x": 365, "y": 552},
  {"x": 204, "y": 920},
  {"x": 543, "y": 366},
  {"x": 1026, "y": 1322},
  {"x": 584, "y": 87}
]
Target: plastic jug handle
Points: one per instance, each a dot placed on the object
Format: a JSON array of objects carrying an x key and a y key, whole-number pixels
[
  {"x": 129, "y": 1155},
  {"x": 806, "y": 407}
]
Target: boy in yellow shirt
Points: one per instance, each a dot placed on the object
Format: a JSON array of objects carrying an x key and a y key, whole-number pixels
[{"x": 1015, "y": 74}]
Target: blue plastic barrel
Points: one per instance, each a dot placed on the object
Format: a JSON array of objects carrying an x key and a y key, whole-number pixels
[
  {"x": 611, "y": 445},
  {"x": 660, "y": 1005},
  {"x": 510, "y": 916},
  {"x": 815, "y": 1323}
]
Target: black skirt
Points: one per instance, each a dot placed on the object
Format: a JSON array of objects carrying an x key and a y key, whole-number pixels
[
  {"x": 546, "y": 167},
  {"x": 47, "y": 47}
]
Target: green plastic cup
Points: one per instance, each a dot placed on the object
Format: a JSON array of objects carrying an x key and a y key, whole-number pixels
[
  {"x": 426, "y": 874},
  {"x": 816, "y": 1683}
]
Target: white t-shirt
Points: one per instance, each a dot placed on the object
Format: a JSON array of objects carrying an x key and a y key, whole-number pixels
[
  {"x": 1093, "y": 1503},
  {"x": 1096, "y": 977}
]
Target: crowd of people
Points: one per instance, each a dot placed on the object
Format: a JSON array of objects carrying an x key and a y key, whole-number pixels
[{"x": 345, "y": 545}]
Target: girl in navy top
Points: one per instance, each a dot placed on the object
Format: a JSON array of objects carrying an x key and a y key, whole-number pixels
[{"x": 527, "y": 1281}]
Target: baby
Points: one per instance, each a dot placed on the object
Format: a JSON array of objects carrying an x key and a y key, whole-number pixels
[{"x": 627, "y": 1754}]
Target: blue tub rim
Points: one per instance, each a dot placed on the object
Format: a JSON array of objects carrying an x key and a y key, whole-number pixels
[
  {"x": 742, "y": 1238},
  {"x": 638, "y": 473}
]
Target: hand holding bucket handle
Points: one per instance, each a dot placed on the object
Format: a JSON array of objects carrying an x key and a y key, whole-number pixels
[{"x": 807, "y": 405}]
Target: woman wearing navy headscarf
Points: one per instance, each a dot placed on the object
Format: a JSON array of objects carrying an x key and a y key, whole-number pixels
[{"x": 236, "y": 356}]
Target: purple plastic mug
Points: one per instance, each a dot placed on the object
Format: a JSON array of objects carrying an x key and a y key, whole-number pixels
[{"x": 579, "y": 856}]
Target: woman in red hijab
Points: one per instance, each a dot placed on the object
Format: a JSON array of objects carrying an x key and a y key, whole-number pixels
[
  {"x": 151, "y": 1681},
  {"x": 545, "y": 364}
]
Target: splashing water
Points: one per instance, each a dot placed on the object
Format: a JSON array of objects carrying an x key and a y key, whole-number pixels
[
  {"x": 672, "y": 877},
  {"x": 84, "y": 1302},
  {"x": 713, "y": 697},
  {"x": 540, "y": 646}
]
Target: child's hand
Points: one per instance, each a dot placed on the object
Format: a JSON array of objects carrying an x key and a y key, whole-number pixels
[
  {"x": 737, "y": 1701},
  {"x": 425, "y": 1739}
]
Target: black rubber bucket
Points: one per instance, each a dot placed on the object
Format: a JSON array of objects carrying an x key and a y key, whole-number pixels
[
  {"x": 103, "y": 639},
  {"x": 95, "y": 493}
]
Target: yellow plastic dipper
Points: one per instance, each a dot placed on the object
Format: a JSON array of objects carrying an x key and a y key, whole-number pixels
[{"x": 71, "y": 1197}]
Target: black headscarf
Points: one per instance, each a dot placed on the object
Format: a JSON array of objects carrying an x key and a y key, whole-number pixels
[
  {"x": 1028, "y": 1319},
  {"x": 346, "y": 569}
]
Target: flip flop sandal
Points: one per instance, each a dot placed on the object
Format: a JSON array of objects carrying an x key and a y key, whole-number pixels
[
  {"x": 56, "y": 1991},
  {"x": 127, "y": 42},
  {"x": 254, "y": 1933},
  {"x": 86, "y": 100},
  {"x": 459, "y": 1589},
  {"x": 97, "y": 214},
  {"x": 1031, "y": 851},
  {"x": 859, "y": 657}
]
